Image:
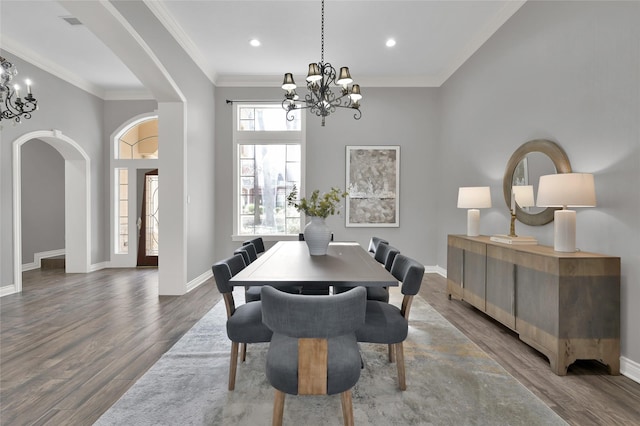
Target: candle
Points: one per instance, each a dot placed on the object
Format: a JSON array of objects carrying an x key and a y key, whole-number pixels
[
  {"x": 28, "y": 83},
  {"x": 17, "y": 89}
]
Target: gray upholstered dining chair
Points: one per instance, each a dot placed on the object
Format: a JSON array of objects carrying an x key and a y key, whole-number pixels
[
  {"x": 388, "y": 324},
  {"x": 257, "y": 242},
  {"x": 244, "y": 322},
  {"x": 385, "y": 254},
  {"x": 313, "y": 350},
  {"x": 249, "y": 255},
  {"x": 374, "y": 242}
]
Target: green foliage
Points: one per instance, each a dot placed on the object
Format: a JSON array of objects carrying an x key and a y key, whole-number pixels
[{"x": 317, "y": 205}]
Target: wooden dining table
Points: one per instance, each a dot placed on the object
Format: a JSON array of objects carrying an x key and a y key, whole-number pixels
[{"x": 289, "y": 262}]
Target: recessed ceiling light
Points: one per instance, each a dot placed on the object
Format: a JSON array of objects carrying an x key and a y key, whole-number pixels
[
  {"x": 391, "y": 42},
  {"x": 254, "y": 42}
]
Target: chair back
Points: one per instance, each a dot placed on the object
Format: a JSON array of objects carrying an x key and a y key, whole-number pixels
[
  {"x": 248, "y": 252},
  {"x": 226, "y": 269},
  {"x": 386, "y": 254},
  {"x": 409, "y": 272},
  {"x": 302, "y": 316},
  {"x": 374, "y": 242},
  {"x": 258, "y": 243}
]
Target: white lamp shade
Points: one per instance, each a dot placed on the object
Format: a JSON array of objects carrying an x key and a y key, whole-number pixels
[
  {"x": 524, "y": 195},
  {"x": 567, "y": 190},
  {"x": 474, "y": 197}
]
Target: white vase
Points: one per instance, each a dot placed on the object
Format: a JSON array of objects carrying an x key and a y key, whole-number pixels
[{"x": 317, "y": 236}]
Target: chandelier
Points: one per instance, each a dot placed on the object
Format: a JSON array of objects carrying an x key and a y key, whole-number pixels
[
  {"x": 13, "y": 107},
  {"x": 320, "y": 98}
]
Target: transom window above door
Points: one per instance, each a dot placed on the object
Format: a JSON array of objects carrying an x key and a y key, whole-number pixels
[{"x": 139, "y": 141}]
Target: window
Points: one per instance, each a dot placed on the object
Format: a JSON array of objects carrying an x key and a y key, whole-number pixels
[
  {"x": 269, "y": 152},
  {"x": 122, "y": 185}
]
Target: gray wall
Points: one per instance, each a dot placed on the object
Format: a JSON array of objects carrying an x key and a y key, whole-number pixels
[
  {"x": 199, "y": 93},
  {"x": 78, "y": 115},
  {"x": 399, "y": 116},
  {"x": 569, "y": 72},
  {"x": 42, "y": 199}
]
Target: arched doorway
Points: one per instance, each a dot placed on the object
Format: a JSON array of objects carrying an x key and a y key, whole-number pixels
[
  {"x": 77, "y": 202},
  {"x": 134, "y": 153}
]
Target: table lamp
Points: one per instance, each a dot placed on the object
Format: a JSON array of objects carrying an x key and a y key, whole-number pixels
[
  {"x": 474, "y": 198},
  {"x": 566, "y": 190}
]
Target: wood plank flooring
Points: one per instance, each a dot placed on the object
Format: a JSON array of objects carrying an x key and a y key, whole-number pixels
[
  {"x": 72, "y": 344},
  {"x": 588, "y": 395}
]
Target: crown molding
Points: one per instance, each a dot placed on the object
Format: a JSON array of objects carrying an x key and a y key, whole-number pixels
[
  {"x": 163, "y": 14},
  {"x": 506, "y": 12},
  {"x": 44, "y": 64}
]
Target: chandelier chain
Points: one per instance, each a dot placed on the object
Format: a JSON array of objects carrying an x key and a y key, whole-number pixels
[{"x": 322, "y": 35}]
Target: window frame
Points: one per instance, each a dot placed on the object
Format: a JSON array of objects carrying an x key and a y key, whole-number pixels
[{"x": 264, "y": 137}]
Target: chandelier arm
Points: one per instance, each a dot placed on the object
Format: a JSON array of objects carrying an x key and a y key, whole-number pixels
[{"x": 320, "y": 98}]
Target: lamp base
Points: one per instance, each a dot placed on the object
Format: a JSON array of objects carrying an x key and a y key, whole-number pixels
[
  {"x": 473, "y": 222},
  {"x": 506, "y": 239},
  {"x": 564, "y": 231}
]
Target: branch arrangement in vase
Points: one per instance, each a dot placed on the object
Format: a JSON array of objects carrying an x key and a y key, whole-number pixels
[{"x": 317, "y": 205}]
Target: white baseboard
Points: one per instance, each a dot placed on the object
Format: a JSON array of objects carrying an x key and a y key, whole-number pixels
[
  {"x": 7, "y": 290},
  {"x": 199, "y": 280},
  {"x": 37, "y": 259},
  {"x": 630, "y": 369},
  {"x": 435, "y": 270},
  {"x": 98, "y": 266}
]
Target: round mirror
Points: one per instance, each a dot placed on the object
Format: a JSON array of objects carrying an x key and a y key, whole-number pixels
[{"x": 530, "y": 161}]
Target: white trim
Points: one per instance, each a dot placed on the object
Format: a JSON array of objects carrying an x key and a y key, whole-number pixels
[
  {"x": 7, "y": 290},
  {"x": 199, "y": 280},
  {"x": 77, "y": 202},
  {"x": 43, "y": 63},
  {"x": 129, "y": 259},
  {"x": 506, "y": 12},
  {"x": 436, "y": 270},
  {"x": 261, "y": 138},
  {"x": 167, "y": 20},
  {"x": 630, "y": 369},
  {"x": 37, "y": 259},
  {"x": 98, "y": 266}
]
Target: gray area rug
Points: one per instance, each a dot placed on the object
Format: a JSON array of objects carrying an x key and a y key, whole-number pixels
[{"x": 450, "y": 381}]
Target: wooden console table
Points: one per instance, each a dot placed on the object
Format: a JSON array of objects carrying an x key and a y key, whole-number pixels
[{"x": 565, "y": 305}]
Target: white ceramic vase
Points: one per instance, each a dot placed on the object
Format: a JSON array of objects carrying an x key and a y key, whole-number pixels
[{"x": 317, "y": 236}]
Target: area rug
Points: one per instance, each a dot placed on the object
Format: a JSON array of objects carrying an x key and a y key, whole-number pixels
[{"x": 450, "y": 381}]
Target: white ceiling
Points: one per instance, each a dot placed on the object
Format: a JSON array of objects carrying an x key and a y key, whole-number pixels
[{"x": 433, "y": 39}]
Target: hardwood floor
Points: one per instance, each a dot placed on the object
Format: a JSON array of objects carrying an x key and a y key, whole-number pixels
[
  {"x": 72, "y": 344},
  {"x": 587, "y": 395}
]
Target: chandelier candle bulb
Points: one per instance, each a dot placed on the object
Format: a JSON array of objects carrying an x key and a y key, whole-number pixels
[{"x": 28, "y": 83}]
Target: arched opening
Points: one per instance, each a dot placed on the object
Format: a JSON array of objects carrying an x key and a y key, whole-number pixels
[
  {"x": 77, "y": 202},
  {"x": 134, "y": 153}
]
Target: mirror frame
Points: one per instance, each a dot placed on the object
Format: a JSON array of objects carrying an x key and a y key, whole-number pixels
[{"x": 561, "y": 163}]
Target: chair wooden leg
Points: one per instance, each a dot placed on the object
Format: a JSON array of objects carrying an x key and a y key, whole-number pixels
[
  {"x": 392, "y": 356},
  {"x": 243, "y": 347},
  {"x": 233, "y": 364},
  {"x": 347, "y": 408},
  {"x": 402, "y": 383},
  {"x": 278, "y": 408}
]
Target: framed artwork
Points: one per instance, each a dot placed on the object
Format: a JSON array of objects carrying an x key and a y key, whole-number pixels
[{"x": 373, "y": 184}]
